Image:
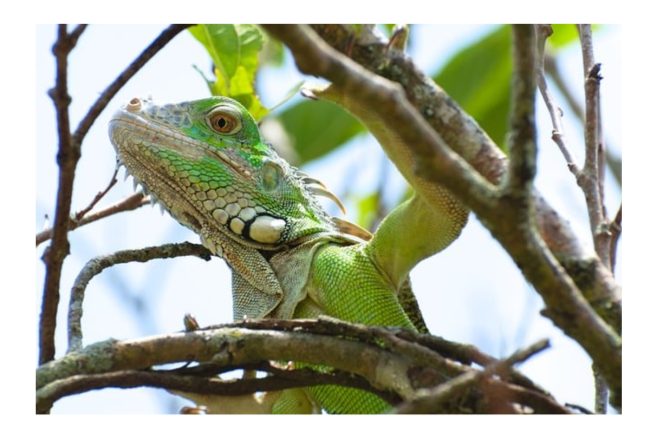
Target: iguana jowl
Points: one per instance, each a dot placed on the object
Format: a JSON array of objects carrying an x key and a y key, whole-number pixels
[{"x": 205, "y": 162}]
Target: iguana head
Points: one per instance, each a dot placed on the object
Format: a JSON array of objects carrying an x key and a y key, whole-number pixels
[{"x": 206, "y": 163}]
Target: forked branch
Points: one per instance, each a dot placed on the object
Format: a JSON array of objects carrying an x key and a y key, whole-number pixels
[{"x": 389, "y": 105}]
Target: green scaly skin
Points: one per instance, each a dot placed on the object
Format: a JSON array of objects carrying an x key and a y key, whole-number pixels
[{"x": 206, "y": 164}]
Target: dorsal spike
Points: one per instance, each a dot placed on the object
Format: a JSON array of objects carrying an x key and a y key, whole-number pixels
[
  {"x": 320, "y": 189},
  {"x": 351, "y": 228}
]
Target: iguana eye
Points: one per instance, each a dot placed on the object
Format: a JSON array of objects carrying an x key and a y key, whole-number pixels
[{"x": 225, "y": 120}]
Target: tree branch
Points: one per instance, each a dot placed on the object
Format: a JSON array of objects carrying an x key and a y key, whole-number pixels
[
  {"x": 435, "y": 400},
  {"x": 395, "y": 372},
  {"x": 233, "y": 347},
  {"x": 392, "y": 339},
  {"x": 591, "y": 173},
  {"x": 523, "y": 148},
  {"x": 465, "y": 137},
  {"x": 613, "y": 161},
  {"x": 67, "y": 158},
  {"x": 98, "y": 264},
  {"x": 182, "y": 382},
  {"x": 379, "y": 101},
  {"x": 111, "y": 183},
  {"x": 615, "y": 227},
  {"x": 543, "y": 32},
  {"x": 130, "y": 203},
  {"x": 314, "y": 56}
]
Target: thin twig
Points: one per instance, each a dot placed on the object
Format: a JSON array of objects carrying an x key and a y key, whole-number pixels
[
  {"x": 615, "y": 227},
  {"x": 590, "y": 179},
  {"x": 543, "y": 32},
  {"x": 98, "y": 264},
  {"x": 46, "y": 234},
  {"x": 132, "y": 202},
  {"x": 178, "y": 381},
  {"x": 76, "y": 33},
  {"x": 434, "y": 400},
  {"x": 612, "y": 160},
  {"x": 80, "y": 214}
]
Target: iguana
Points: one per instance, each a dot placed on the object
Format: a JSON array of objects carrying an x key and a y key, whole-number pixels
[{"x": 205, "y": 162}]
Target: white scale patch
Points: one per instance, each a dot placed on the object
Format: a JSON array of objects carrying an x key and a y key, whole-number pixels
[
  {"x": 266, "y": 229},
  {"x": 234, "y": 213}
]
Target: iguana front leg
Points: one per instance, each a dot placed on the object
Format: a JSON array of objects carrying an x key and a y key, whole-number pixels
[{"x": 413, "y": 231}]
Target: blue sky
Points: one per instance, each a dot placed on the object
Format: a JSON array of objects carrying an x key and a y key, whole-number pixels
[{"x": 472, "y": 292}]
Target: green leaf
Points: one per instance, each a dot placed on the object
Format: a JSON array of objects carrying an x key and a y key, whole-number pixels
[
  {"x": 563, "y": 34},
  {"x": 234, "y": 49},
  {"x": 272, "y": 53},
  {"x": 478, "y": 78},
  {"x": 566, "y": 34},
  {"x": 367, "y": 208},
  {"x": 386, "y": 29},
  {"x": 318, "y": 127}
]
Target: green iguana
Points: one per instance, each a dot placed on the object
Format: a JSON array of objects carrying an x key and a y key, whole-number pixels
[{"x": 205, "y": 162}]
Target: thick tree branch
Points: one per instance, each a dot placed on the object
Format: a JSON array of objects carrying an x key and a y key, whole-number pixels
[
  {"x": 523, "y": 148},
  {"x": 392, "y": 339},
  {"x": 98, "y": 264},
  {"x": 234, "y": 347},
  {"x": 365, "y": 362},
  {"x": 384, "y": 103},
  {"x": 313, "y": 56}
]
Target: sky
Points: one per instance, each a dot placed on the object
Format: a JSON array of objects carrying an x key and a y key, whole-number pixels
[{"x": 472, "y": 292}]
